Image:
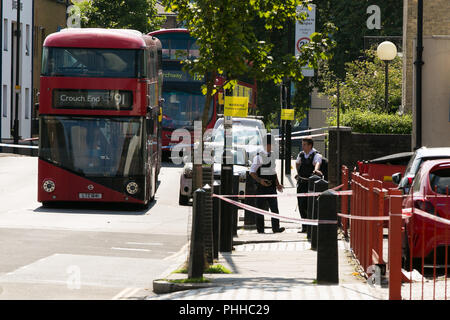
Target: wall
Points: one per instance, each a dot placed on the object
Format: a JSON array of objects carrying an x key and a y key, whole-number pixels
[
  {"x": 362, "y": 146},
  {"x": 49, "y": 17},
  {"x": 8, "y": 45},
  {"x": 317, "y": 118},
  {"x": 435, "y": 93},
  {"x": 436, "y": 21}
]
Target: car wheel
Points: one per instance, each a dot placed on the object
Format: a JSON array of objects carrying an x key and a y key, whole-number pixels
[{"x": 183, "y": 200}]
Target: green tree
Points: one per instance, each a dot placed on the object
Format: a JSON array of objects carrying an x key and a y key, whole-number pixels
[
  {"x": 235, "y": 38},
  {"x": 119, "y": 14},
  {"x": 350, "y": 17},
  {"x": 364, "y": 84}
]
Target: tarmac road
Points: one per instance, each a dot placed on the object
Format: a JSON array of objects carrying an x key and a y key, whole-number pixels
[{"x": 83, "y": 253}]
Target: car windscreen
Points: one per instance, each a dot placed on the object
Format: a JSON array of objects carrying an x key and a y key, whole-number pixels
[
  {"x": 440, "y": 180},
  {"x": 241, "y": 135}
]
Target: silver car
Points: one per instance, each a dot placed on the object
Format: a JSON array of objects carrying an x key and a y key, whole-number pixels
[
  {"x": 420, "y": 155},
  {"x": 247, "y": 141}
]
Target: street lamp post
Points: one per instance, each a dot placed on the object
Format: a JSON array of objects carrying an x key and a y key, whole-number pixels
[{"x": 386, "y": 51}]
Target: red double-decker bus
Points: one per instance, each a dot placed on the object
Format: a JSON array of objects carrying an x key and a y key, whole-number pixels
[
  {"x": 100, "y": 96},
  {"x": 183, "y": 99}
]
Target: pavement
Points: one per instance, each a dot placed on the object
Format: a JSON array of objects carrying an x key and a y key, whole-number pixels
[{"x": 270, "y": 266}]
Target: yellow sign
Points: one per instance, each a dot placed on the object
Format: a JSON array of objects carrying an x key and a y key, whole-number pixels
[
  {"x": 220, "y": 95},
  {"x": 287, "y": 114},
  {"x": 236, "y": 107}
]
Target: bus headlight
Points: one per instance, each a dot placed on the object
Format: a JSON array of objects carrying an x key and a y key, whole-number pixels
[
  {"x": 132, "y": 188},
  {"x": 49, "y": 186}
]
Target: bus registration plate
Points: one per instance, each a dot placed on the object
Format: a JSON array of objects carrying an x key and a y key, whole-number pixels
[{"x": 90, "y": 195}]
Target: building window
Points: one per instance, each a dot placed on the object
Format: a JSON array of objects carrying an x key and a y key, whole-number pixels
[
  {"x": 27, "y": 103},
  {"x": 5, "y": 34},
  {"x": 27, "y": 40},
  {"x": 5, "y": 101}
]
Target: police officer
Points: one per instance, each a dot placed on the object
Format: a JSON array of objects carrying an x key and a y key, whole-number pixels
[
  {"x": 308, "y": 163},
  {"x": 266, "y": 183}
]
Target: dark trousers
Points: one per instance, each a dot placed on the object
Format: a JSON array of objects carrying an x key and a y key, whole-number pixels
[
  {"x": 262, "y": 203},
  {"x": 302, "y": 187}
]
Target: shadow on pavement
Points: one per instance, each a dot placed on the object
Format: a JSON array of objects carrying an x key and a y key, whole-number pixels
[{"x": 96, "y": 208}]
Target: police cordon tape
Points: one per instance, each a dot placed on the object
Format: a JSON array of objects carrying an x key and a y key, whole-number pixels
[
  {"x": 277, "y": 216},
  {"x": 406, "y": 214},
  {"x": 303, "y": 137},
  {"x": 274, "y": 215},
  {"x": 298, "y": 195},
  {"x": 18, "y": 146},
  {"x": 309, "y": 130}
]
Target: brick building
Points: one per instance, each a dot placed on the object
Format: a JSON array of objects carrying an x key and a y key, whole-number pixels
[{"x": 49, "y": 16}]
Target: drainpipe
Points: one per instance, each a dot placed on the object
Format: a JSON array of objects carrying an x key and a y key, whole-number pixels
[{"x": 418, "y": 64}]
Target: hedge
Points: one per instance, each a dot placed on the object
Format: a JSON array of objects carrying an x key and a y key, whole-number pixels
[{"x": 364, "y": 121}]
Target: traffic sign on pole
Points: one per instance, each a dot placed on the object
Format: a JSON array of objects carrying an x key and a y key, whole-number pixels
[{"x": 303, "y": 32}]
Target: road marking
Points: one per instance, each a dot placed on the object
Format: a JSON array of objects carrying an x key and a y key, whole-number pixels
[
  {"x": 126, "y": 293},
  {"x": 180, "y": 252},
  {"x": 146, "y": 244},
  {"x": 131, "y": 249}
]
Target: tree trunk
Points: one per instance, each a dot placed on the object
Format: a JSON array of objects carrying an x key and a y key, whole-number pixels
[{"x": 197, "y": 167}]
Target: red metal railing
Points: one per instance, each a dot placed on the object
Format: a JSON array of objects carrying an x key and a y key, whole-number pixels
[{"x": 365, "y": 225}]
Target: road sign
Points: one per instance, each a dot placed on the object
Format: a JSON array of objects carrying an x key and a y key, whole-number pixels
[
  {"x": 303, "y": 33},
  {"x": 236, "y": 106},
  {"x": 287, "y": 114}
]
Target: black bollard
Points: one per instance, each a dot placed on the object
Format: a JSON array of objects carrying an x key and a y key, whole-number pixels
[
  {"x": 216, "y": 220},
  {"x": 319, "y": 186},
  {"x": 207, "y": 222},
  {"x": 197, "y": 254},
  {"x": 226, "y": 210},
  {"x": 327, "y": 241},
  {"x": 311, "y": 180}
]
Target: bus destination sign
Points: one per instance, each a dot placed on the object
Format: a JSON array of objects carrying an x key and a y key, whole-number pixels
[
  {"x": 177, "y": 75},
  {"x": 92, "y": 99}
]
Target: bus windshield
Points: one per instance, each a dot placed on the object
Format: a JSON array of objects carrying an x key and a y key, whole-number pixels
[
  {"x": 93, "y": 146},
  {"x": 182, "y": 108},
  {"x": 92, "y": 62}
]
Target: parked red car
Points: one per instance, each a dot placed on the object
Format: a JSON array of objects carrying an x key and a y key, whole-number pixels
[{"x": 430, "y": 193}]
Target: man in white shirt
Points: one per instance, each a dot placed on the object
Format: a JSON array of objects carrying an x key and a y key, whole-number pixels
[
  {"x": 308, "y": 163},
  {"x": 267, "y": 182}
]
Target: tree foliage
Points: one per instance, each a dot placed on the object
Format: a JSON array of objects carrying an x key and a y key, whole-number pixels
[
  {"x": 365, "y": 121},
  {"x": 234, "y": 39},
  {"x": 119, "y": 14},
  {"x": 364, "y": 84},
  {"x": 350, "y": 16}
]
